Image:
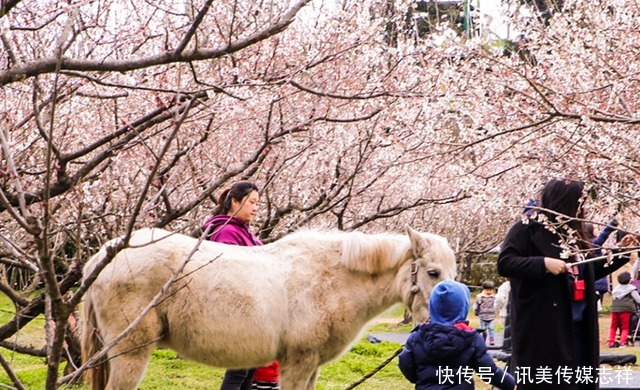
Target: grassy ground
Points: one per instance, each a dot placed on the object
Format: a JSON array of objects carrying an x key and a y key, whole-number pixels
[{"x": 168, "y": 371}]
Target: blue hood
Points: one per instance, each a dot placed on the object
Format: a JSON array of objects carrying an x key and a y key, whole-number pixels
[{"x": 449, "y": 302}]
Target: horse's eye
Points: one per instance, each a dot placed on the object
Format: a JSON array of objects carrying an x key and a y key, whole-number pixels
[{"x": 434, "y": 273}]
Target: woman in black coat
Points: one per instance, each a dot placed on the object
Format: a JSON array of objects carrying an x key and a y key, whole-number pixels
[{"x": 554, "y": 321}]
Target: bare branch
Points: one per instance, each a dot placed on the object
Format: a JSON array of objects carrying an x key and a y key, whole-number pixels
[
  {"x": 36, "y": 307},
  {"x": 21, "y": 201},
  {"x": 192, "y": 30},
  {"x": 7, "y": 5},
  {"x": 130, "y": 132},
  {"x": 25, "y": 349},
  {"x": 48, "y": 65},
  {"x": 13, "y": 294}
]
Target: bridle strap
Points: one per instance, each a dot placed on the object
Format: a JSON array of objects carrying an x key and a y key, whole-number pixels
[{"x": 414, "y": 282}]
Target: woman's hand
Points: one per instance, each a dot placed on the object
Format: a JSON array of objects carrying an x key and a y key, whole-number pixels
[
  {"x": 629, "y": 240},
  {"x": 556, "y": 266}
]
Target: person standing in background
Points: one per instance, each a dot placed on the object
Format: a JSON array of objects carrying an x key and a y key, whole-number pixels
[
  {"x": 230, "y": 225},
  {"x": 502, "y": 299},
  {"x": 601, "y": 285},
  {"x": 625, "y": 302},
  {"x": 554, "y": 320},
  {"x": 485, "y": 309},
  {"x": 633, "y": 259}
]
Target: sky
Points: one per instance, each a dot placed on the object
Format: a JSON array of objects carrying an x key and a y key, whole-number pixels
[{"x": 492, "y": 11}]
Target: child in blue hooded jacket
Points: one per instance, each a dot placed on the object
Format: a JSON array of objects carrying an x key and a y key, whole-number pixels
[{"x": 443, "y": 352}]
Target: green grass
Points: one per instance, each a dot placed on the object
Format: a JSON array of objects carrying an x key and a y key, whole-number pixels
[
  {"x": 168, "y": 371},
  {"x": 363, "y": 358},
  {"x": 385, "y": 327},
  {"x": 394, "y": 311},
  {"x": 31, "y": 371}
]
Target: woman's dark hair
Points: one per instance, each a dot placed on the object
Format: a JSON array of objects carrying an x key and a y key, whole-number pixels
[
  {"x": 237, "y": 191},
  {"x": 562, "y": 197},
  {"x": 565, "y": 197}
]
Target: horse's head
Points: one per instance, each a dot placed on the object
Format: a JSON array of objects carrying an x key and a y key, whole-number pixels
[{"x": 432, "y": 260}]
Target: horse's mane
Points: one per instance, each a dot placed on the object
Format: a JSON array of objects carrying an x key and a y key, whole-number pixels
[
  {"x": 374, "y": 253},
  {"x": 370, "y": 253}
]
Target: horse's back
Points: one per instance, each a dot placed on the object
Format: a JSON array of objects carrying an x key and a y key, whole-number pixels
[
  {"x": 154, "y": 255},
  {"x": 150, "y": 248},
  {"x": 221, "y": 298}
]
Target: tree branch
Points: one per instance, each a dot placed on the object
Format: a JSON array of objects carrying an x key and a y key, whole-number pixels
[
  {"x": 130, "y": 132},
  {"x": 24, "y": 349},
  {"x": 36, "y": 307},
  {"x": 7, "y": 5},
  {"x": 193, "y": 28},
  {"x": 48, "y": 65}
]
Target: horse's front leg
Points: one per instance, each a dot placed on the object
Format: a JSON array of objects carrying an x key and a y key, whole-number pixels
[{"x": 299, "y": 372}]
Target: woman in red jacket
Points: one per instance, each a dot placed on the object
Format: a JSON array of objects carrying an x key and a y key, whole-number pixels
[{"x": 230, "y": 225}]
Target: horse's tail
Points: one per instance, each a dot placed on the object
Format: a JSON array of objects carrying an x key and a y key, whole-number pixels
[{"x": 98, "y": 375}]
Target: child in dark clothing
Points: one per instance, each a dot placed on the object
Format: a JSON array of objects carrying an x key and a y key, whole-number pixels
[{"x": 443, "y": 352}]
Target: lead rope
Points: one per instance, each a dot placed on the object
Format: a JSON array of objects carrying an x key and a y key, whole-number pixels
[{"x": 375, "y": 370}]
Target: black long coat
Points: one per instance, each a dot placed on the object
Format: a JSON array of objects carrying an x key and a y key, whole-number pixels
[{"x": 542, "y": 329}]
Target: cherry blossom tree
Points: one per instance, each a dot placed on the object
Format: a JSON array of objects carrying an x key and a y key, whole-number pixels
[{"x": 124, "y": 114}]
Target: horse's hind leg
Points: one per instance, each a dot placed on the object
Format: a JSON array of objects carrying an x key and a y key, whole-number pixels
[
  {"x": 126, "y": 370},
  {"x": 312, "y": 381},
  {"x": 128, "y": 359}
]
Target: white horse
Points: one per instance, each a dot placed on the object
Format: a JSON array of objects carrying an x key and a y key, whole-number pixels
[{"x": 301, "y": 300}]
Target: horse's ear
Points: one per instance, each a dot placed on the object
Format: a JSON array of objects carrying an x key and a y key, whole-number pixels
[{"x": 419, "y": 244}]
